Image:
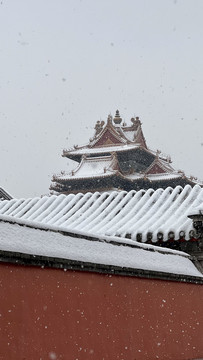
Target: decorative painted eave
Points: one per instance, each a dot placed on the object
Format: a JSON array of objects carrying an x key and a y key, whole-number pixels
[{"x": 151, "y": 215}]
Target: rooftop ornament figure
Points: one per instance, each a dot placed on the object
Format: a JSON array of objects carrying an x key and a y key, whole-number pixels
[{"x": 117, "y": 119}]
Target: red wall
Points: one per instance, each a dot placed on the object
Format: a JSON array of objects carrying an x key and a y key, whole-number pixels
[{"x": 52, "y": 314}]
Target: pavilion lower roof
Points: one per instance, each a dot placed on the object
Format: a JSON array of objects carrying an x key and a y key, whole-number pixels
[
  {"x": 130, "y": 177},
  {"x": 139, "y": 215}
]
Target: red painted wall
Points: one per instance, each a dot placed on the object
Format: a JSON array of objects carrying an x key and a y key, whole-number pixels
[{"x": 52, "y": 314}]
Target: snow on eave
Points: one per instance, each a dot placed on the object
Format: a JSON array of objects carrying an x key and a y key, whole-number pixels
[
  {"x": 164, "y": 176},
  {"x": 104, "y": 149},
  {"x": 152, "y": 177},
  {"x": 91, "y": 176}
]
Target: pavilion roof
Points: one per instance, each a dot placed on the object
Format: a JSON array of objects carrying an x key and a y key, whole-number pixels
[
  {"x": 137, "y": 165},
  {"x": 105, "y": 166},
  {"x": 112, "y": 136}
]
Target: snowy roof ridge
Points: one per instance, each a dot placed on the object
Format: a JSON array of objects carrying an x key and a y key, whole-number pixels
[{"x": 118, "y": 213}]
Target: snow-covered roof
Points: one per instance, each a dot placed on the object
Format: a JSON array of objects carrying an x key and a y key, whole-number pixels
[
  {"x": 29, "y": 240},
  {"x": 92, "y": 167},
  {"x": 101, "y": 150},
  {"x": 109, "y": 137},
  {"x": 123, "y": 214}
]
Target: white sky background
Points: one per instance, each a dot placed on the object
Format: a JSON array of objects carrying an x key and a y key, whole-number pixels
[{"x": 66, "y": 64}]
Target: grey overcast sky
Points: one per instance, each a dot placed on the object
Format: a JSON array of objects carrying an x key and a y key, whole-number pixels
[{"x": 66, "y": 64}]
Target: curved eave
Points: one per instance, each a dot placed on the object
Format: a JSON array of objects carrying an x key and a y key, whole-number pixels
[
  {"x": 74, "y": 178},
  {"x": 142, "y": 177},
  {"x": 74, "y": 157},
  {"x": 103, "y": 152}
]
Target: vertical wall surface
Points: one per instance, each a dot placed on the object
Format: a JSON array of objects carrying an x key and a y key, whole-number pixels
[{"x": 55, "y": 314}]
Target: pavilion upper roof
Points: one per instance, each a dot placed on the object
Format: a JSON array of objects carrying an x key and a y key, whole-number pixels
[{"x": 115, "y": 135}]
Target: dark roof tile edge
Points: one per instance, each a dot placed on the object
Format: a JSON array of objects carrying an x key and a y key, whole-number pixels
[{"x": 16, "y": 258}]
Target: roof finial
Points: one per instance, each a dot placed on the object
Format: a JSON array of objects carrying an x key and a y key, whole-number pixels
[
  {"x": 117, "y": 119},
  {"x": 109, "y": 119}
]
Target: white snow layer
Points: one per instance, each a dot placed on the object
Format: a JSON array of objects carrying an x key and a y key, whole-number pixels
[
  {"x": 100, "y": 150},
  {"x": 113, "y": 214},
  {"x": 16, "y": 238},
  {"x": 91, "y": 167},
  {"x": 155, "y": 177}
]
